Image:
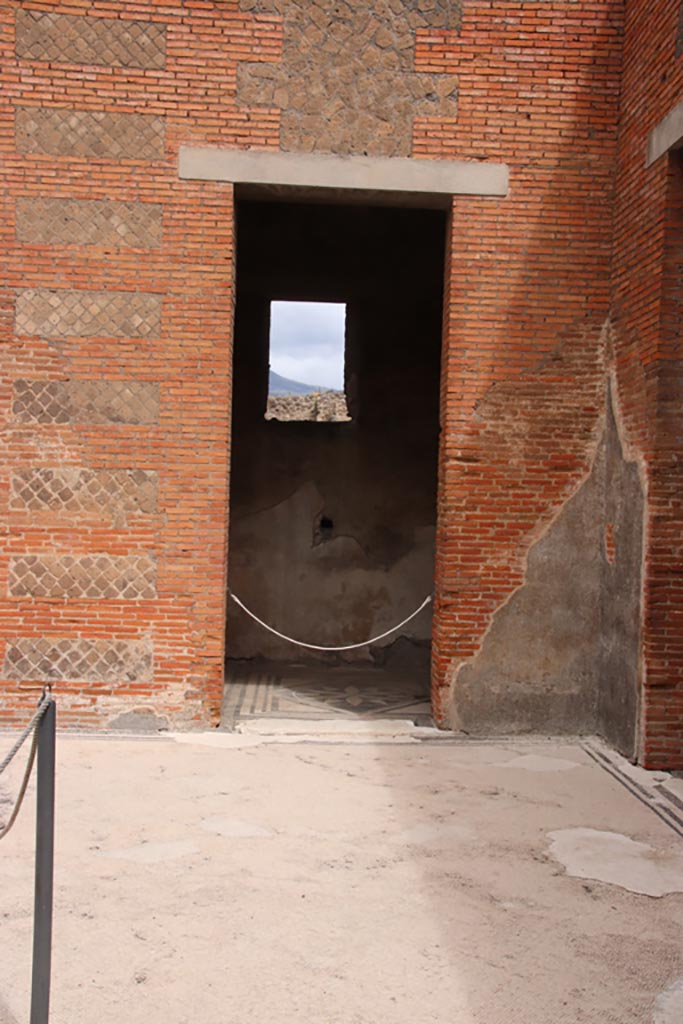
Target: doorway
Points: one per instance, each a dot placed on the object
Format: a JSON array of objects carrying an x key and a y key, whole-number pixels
[{"x": 333, "y": 479}]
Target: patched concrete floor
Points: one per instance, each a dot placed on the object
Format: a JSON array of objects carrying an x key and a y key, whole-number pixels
[{"x": 364, "y": 878}]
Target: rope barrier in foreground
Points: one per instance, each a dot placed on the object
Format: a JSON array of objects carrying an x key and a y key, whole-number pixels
[
  {"x": 32, "y": 726},
  {"x": 43, "y": 725},
  {"x": 42, "y": 707},
  {"x": 317, "y": 647}
]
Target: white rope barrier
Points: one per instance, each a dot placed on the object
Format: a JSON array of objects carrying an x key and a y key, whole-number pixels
[
  {"x": 317, "y": 647},
  {"x": 45, "y": 702},
  {"x": 42, "y": 708}
]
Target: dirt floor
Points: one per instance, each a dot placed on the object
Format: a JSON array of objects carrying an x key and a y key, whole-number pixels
[{"x": 364, "y": 876}]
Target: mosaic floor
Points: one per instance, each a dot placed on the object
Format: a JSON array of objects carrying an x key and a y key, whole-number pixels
[{"x": 272, "y": 690}]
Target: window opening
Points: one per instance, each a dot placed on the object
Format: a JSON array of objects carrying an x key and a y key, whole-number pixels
[{"x": 306, "y": 361}]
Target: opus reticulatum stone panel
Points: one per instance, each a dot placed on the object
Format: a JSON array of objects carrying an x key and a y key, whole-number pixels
[
  {"x": 50, "y": 659},
  {"x": 76, "y": 490},
  {"x": 85, "y": 401},
  {"x": 88, "y": 222},
  {"x": 97, "y": 577},
  {"x": 63, "y": 313},
  {"x": 111, "y": 41},
  {"x": 89, "y": 133}
]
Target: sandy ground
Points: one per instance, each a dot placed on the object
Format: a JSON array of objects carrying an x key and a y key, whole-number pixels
[{"x": 234, "y": 879}]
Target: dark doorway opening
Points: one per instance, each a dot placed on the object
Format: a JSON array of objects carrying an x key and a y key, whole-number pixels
[{"x": 332, "y": 517}]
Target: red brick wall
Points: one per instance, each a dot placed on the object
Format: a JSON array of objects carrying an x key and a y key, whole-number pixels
[
  {"x": 131, "y": 399},
  {"x": 528, "y": 298},
  {"x": 176, "y": 621},
  {"x": 647, "y": 317}
]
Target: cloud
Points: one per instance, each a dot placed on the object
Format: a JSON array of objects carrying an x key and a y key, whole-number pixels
[{"x": 307, "y": 342}]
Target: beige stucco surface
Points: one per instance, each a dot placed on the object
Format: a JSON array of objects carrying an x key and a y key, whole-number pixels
[{"x": 356, "y": 877}]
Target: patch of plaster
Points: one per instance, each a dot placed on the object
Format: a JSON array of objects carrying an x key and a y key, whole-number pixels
[
  {"x": 226, "y": 740},
  {"x": 621, "y": 604},
  {"x": 672, "y": 785},
  {"x": 231, "y": 828},
  {"x": 138, "y": 720},
  {"x": 618, "y": 860},
  {"x": 669, "y": 1004},
  {"x": 547, "y": 522},
  {"x": 534, "y": 669},
  {"x": 334, "y": 594},
  {"x": 643, "y": 776},
  {"x": 536, "y": 763},
  {"x": 560, "y": 654},
  {"x": 317, "y": 733},
  {"x": 480, "y": 755},
  {"x": 331, "y": 727},
  {"x": 318, "y": 503},
  {"x": 435, "y": 834},
  {"x": 6, "y": 1016},
  {"x": 154, "y": 853},
  {"x": 631, "y": 451},
  {"x": 403, "y": 653}
]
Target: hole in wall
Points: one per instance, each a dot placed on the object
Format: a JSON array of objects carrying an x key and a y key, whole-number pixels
[{"x": 323, "y": 531}]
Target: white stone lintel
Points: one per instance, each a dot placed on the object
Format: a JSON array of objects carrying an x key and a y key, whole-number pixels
[
  {"x": 370, "y": 174},
  {"x": 667, "y": 135}
]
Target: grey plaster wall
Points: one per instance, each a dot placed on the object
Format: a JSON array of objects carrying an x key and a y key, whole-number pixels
[
  {"x": 536, "y": 669},
  {"x": 562, "y": 654},
  {"x": 618, "y": 657},
  {"x": 373, "y": 477}
]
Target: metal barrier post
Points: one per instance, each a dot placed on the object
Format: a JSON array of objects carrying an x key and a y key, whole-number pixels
[{"x": 44, "y": 872}]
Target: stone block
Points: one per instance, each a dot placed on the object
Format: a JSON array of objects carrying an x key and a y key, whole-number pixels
[{"x": 347, "y": 82}]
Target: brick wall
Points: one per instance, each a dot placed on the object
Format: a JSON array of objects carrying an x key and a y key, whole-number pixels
[
  {"x": 115, "y": 349},
  {"x": 116, "y": 310},
  {"x": 649, "y": 360},
  {"x": 524, "y": 363}
]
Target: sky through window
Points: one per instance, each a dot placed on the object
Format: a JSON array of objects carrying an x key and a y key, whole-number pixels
[{"x": 307, "y": 342}]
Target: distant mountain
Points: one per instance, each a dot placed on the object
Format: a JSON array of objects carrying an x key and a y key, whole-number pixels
[{"x": 278, "y": 385}]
